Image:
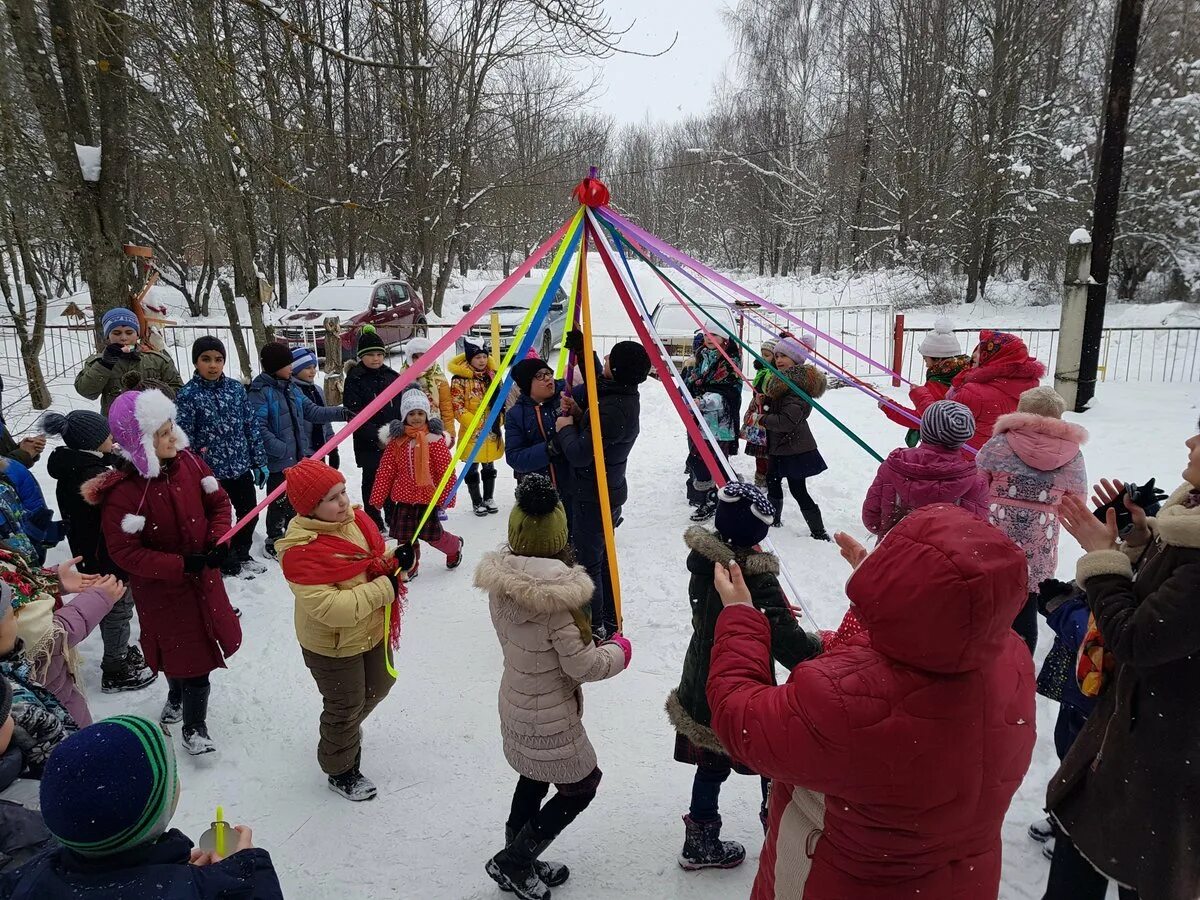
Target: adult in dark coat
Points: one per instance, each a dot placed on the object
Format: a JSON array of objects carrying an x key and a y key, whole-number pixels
[
  {"x": 1127, "y": 795},
  {"x": 531, "y": 445},
  {"x": 366, "y": 380},
  {"x": 626, "y": 367}
]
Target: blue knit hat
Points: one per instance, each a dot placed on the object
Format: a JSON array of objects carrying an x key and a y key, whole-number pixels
[
  {"x": 110, "y": 787},
  {"x": 119, "y": 318},
  {"x": 302, "y": 358}
]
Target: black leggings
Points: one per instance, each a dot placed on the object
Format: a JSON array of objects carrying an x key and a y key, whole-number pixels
[
  {"x": 1072, "y": 877},
  {"x": 568, "y": 802},
  {"x": 797, "y": 486}
]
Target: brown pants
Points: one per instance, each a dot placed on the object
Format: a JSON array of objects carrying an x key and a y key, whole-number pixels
[{"x": 352, "y": 687}]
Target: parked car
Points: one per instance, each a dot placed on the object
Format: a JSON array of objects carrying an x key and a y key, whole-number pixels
[
  {"x": 392, "y": 305},
  {"x": 678, "y": 329},
  {"x": 512, "y": 309}
]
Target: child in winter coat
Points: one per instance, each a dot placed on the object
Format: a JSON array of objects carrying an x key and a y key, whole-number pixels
[
  {"x": 304, "y": 376},
  {"x": 26, "y": 512},
  {"x": 473, "y": 374},
  {"x": 108, "y": 796},
  {"x": 342, "y": 577},
  {"x": 752, "y": 431},
  {"x": 934, "y": 472},
  {"x": 793, "y": 449},
  {"x": 433, "y": 382},
  {"x": 163, "y": 512},
  {"x": 366, "y": 380},
  {"x": 539, "y": 603},
  {"x": 284, "y": 416},
  {"x": 1001, "y": 370},
  {"x": 212, "y": 411},
  {"x": 944, "y": 360},
  {"x": 412, "y": 467},
  {"x": 124, "y": 365},
  {"x": 1031, "y": 462},
  {"x": 87, "y": 454},
  {"x": 713, "y": 379},
  {"x": 743, "y": 519},
  {"x": 893, "y": 760}
]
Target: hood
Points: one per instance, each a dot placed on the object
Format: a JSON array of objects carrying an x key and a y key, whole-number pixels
[
  {"x": 134, "y": 417},
  {"x": 808, "y": 378},
  {"x": 95, "y": 489},
  {"x": 460, "y": 369},
  {"x": 65, "y": 463},
  {"x": 264, "y": 380},
  {"x": 535, "y": 585},
  {"x": 1008, "y": 359},
  {"x": 1042, "y": 443},
  {"x": 929, "y": 462},
  {"x": 941, "y": 591},
  {"x": 712, "y": 549}
]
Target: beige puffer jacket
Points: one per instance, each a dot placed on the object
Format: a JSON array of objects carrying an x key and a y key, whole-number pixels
[
  {"x": 535, "y": 606},
  {"x": 336, "y": 620}
]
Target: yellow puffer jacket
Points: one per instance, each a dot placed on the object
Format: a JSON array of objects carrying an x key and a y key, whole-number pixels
[
  {"x": 336, "y": 619},
  {"x": 466, "y": 390}
]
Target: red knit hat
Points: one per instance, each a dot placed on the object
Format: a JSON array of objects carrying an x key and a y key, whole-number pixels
[{"x": 308, "y": 482}]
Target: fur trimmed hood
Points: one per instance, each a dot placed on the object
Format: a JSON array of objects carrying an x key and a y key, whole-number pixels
[
  {"x": 700, "y": 735},
  {"x": 808, "y": 378},
  {"x": 94, "y": 490},
  {"x": 1177, "y": 524},
  {"x": 537, "y": 585},
  {"x": 1044, "y": 443},
  {"x": 709, "y": 545}
]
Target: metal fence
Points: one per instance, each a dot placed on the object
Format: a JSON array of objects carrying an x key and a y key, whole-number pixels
[{"x": 1157, "y": 354}]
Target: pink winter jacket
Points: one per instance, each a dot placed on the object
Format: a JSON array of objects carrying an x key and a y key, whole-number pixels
[
  {"x": 1031, "y": 462},
  {"x": 922, "y": 476},
  {"x": 77, "y": 619}
]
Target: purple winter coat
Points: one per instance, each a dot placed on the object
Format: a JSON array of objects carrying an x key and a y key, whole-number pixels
[
  {"x": 1031, "y": 462},
  {"x": 922, "y": 476},
  {"x": 77, "y": 619}
]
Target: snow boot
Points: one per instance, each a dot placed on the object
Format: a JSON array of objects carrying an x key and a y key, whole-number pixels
[
  {"x": 552, "y": 874},
  {"x": 353, "y": 785},
  {"x": 476, "y": 499},
  {"x": 252, "y": 566},
  {"x": 1041, "y": 831},
  {"x": 1048, "y": 849},
  {"x": 707, "y": 508},
  {"x": 232, "y": 568},
  {"x": 196, "y": 740},
  {"x": 513, "y": 867},
  {"x": 172, "y": 712},
  {"x": 489, "y": 491},
  {"x": 127, "y": 679},
  {"x": 816, "y": 525},
  {"x": 704, "y": 849},
  {"x": 455, "y": 560},
  {"x": 778, "y": 521}
]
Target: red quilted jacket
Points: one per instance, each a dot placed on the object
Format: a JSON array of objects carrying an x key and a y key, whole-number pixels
[
  {"x": 992, "y": 389},
  {"x": 395, "y": 480},
  {"x": 896, "y": 757}
]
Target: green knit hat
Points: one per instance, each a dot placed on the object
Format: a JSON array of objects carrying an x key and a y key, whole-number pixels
[{"x": 538, "y": 523}]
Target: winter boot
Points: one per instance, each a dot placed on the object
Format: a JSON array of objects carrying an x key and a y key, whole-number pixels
[
  {"x": 513, "y": 867},
  {"x": 128, "y": 678},
  {"x": 707, "y": 508},
  {"x": 704, "y": 849},
  {"x": 816, "y": 525},
  {"x": 172, "y": 712},
  {"x": 196, "y": 740},
  {"x": 476, "y": 498},
  {"x": 778, "y": 521},
  {"x": 489, "y": 491},
  {"x": 552, "y": 874},
  {"x": 1048, "y": 849},
  {"x": 353, "y": 785},
  {"x": 454, "y": 560},
  {"x": 250, "y": 565},
  {"x": 232, "y": 568},
  {"x": 1041, "y": 831}
]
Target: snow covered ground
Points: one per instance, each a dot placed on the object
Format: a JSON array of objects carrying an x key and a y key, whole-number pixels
[{"x": 433, "y": 746}]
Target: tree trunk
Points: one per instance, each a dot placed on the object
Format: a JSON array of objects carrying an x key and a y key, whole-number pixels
[{"x": 235, "y": 325}]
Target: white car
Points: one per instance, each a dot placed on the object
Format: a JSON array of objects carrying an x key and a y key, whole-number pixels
[{"x": 678, "y": 329}]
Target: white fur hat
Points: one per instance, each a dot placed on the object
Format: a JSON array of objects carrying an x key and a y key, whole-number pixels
[
  {"x": 941, "y": 342},
  {"x": 417, "y": 346}
]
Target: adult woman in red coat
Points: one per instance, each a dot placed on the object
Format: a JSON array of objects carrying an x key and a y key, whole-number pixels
[
  {"x": 894, "y": 757},
  {"x": 162, "y": 514},
  {"x": 1001, "y": 371}
]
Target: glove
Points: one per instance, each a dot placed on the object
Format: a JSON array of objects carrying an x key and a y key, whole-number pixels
[
  {"x": 623, "y": 642},
  {"x": 1052, "y": 593},
  {"x": 394, "y": 581},
  {"x": 195, "y": 563},
  {"x": 1147, "y": 496},
  {"x": 405, "y": 556},
  {"x": 261, "y": 473},
  {"x": 334, "y": 459},
  {"x": 574, "y": 341},
  {"x": 112, "y": 355}
]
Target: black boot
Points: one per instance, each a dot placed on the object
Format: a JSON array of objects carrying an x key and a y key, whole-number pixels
[
  {"x": 513, "y": 867},
  {"x": 707, "y": 508},
  {"x": 704, "y": 849},
  {"x": 552, "y": 873},
  {"x": 476, "y": 497},
  {"x": 775, "y": 495},
  {"x": 816, "y": 525},
  {"x": 195, "y": 713},
  {"x": 489, "y": 490}
]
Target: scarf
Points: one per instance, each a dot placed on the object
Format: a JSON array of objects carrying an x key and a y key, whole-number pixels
[
  {"x": 330, "y": 559},
  {"x": 418, "y": 435},
  {"x": 943, "y": 370}
]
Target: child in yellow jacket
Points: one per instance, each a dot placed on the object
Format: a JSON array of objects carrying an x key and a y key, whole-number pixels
[{"x": 473, "y": 374}]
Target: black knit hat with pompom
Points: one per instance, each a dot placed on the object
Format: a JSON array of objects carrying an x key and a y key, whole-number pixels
[
  {"x": 80, "y": 429},
  {"x": 537, "y": 525}
]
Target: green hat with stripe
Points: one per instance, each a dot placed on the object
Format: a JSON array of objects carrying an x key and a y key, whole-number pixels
[{"x": 111, "y": 786}]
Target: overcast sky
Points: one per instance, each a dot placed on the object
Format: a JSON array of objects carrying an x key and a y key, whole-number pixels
[{"x": 667, "y": 87}]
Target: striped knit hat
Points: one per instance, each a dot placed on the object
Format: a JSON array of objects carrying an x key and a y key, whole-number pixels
[
  {"x": 110, "y": 787},
  {"x": 947, "y": 424}
]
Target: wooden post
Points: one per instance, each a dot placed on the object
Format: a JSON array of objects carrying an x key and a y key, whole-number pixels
[
  {"x": 897, "y": 349},
  {"x": 333, "y": 361},
  {"x": 1074, "y": 314}
]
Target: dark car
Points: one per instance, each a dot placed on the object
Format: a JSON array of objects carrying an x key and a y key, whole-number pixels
[{"x": 392, "y": 305}]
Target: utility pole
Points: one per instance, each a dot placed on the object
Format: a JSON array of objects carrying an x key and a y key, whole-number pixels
[{"x": 1108, "y": 190}]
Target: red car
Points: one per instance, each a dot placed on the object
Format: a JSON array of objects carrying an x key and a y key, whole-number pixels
[{"x": 392, "y": 305}]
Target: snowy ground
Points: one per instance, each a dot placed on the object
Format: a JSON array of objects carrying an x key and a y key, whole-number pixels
[{"x": 433, "y": 746}]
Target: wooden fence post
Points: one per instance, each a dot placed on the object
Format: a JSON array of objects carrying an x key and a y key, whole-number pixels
[
  {"x": 333, "y": 361},
  {"x": 897, "y": 349}
]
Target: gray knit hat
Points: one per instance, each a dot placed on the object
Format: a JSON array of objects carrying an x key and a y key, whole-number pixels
[
  {"x": 947, "y": 424},
  {"x": 80, "y": 429},
  {"x": 1042, "y": 401}
]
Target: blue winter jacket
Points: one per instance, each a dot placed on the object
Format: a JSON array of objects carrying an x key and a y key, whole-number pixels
[
  {"x": 284, "y": 415},
  {"x": 531, "y": 446},
  {"x": 36, "y": 519},
  {"x": 319, "y": 434},
  {"x": 1070, "y": 622},
  {"x": 159, "y": 870},
  {"x": 216, "y": 417}
]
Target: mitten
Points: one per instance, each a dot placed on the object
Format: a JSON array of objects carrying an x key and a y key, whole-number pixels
[{"x": 623, "y": 642}]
